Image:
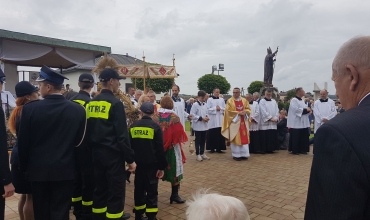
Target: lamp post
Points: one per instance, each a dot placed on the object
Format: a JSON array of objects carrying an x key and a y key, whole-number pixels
[{"x": 220, "y": 68}]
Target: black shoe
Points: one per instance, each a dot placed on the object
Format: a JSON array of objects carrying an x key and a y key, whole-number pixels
[
  {"x": 212, "y": 151},
  {"x": 125, "y": 216},
  {"x": 295, "y": 153},
  {"x": 303, "y": 152},
  {"x": 220, "y": 152},
  {"x": 244, "y": 158},
  {"x": 177, "y": 199},
  {"x": 175, "y": 195},
  {"x": 237, "y": 158}
]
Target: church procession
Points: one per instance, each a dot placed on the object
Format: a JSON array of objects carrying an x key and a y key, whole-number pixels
[{"x": 76, "y": 144}]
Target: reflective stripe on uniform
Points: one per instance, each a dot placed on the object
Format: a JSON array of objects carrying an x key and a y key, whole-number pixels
[
  {"x": 87, "y": 203},
  {"x": 152, "y": 210},
  {"x": 99, "y": 210},
  {"x": 81, "y": 102},
  {"x": 77, "y": 199},
  {"x": 140, "y": 207},
  {"x": 142, "y": 132},
  {"x": 118, "y": 215},
  {"x": 98, "y": 109}
]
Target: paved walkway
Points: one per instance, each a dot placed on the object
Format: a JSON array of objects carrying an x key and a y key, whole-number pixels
[{"x": 272, "y": 186}]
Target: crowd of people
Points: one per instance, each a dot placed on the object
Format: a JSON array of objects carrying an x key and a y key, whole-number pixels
[
  {"x": 93, "y": 173},
  {"x": 81, "y": 149}
]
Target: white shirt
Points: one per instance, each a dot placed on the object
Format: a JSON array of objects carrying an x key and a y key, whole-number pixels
[
  {"x": 199, "y": 110},
  {"x": 255, "y": 115},
  {"x": 295, "y": 117},
  {"x": 268, "y": 110},
  {"x": 363, "y": 98},
  {"x": 215, "y": 117},
  {"x": 179, "y": 109},
  {"x": 323, "y": 110}
]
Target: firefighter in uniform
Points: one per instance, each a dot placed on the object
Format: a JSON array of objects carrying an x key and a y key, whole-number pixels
[
  {"x": 108, "y": 136},
  {"x": 82, "y": 199},
  {"x": 146, "y": 139},
  {"x": 49, "y": 131}
]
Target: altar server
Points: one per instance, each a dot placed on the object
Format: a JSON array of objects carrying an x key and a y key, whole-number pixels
[
  {"x": 216, "y": 108},
  {"x": 324, "y": 109},
  {"x": 298, "y": 124},
  {"x": 269, "y": 112},
  {"x": 254, "y": 145},
  {"x": 179, "y": 105}
]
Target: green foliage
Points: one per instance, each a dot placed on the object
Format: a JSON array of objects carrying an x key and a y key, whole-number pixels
[
  {"x": 255, "y": 86},
  {"x": 281, "y": 105},
  {"x": 287, "y": 104},
  {"x": 210, "y": 81},
  {"x": 289, "y": 94},
  {"x": 157, "y": 85}
]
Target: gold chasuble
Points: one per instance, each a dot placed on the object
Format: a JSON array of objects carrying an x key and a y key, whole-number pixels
[{"x": 236, "y": 132}]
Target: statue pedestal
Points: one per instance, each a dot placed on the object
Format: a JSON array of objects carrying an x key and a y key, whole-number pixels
[{"x": 275, "y": 92}]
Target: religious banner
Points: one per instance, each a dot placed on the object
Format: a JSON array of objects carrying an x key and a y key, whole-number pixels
[
  {"x": 132, "y": 71},
  {"x": 154, "y": 71},
  {"x": 162, "y": 72}
]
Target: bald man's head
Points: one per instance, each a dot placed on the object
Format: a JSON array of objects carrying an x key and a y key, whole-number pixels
[
  {"x": 351, "y": 71},
  {"x": 323, "y": 94}
]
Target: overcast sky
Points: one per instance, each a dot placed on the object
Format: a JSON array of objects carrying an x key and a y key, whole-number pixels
[{"x": 202, "y": 33}]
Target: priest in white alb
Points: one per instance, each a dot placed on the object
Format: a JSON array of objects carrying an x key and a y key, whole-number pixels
[
  {"x": 235, "y": 125},
  {"x": 324, "y": 109},
  {"x": 179, "y": 105},
  {"x": 269, "y": 113},
  {"x": 298, "y": 123},
  {"x": 216, "y": 108},
  {"x": 254, "y": 143}
]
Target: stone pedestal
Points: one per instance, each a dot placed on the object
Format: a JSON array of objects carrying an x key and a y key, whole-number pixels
[{"x": 275, "y": 92}]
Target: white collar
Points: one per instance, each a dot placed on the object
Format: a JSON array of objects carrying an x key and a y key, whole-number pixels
[
  {"x": 363, "y": 98},
  {"x": 163, "y": 110},
  {"x": 238, "y": 99}
]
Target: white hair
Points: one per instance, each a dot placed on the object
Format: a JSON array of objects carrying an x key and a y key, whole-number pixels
[
  {"x": 139, "y": 91},
  {"x": 151, "y": 92},
  {"x": 221, "y": 96},
  {"x": 216, "y": 207},
  {"x": 354, "y": 52},
  {"x": 191, "y": 99},
  {"x": 257, "y": 94}
]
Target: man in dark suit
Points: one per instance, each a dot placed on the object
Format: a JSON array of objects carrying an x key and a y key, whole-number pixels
[
  {"x": 7, "y": 188},
  {"x": 339, "y": 185},
  {"x": 49, "y": 131}
]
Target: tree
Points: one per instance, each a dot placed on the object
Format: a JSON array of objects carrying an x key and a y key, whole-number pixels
[
  {"x": 289, "y": 94},
  {"x": 281, "y": 105},
  {"x": 157, "y": 85},
  {"x": 255, "y": 86},
  {"x": 210, "y": 81}
]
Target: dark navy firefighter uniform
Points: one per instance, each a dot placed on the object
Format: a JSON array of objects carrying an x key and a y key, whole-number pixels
[
  {"x": 82, "y": 199},
  {"x": 110, "y": 143},
  {"x": 49, "y": 131},
  {"x": 146, "y": 139}
]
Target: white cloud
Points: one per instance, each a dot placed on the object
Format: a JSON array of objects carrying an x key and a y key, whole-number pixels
[{"x": 205, "y": 33}]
